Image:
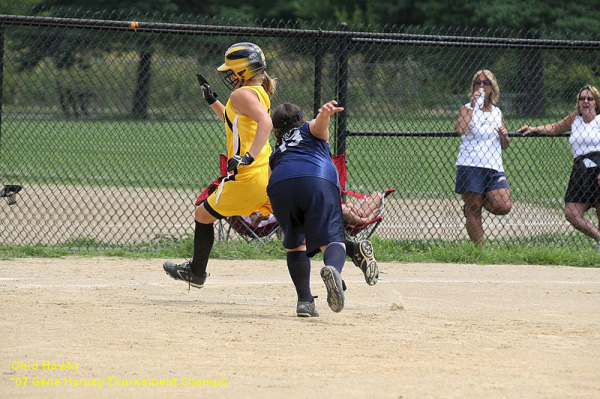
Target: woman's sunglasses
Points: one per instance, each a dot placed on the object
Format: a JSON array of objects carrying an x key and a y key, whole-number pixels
[
  {"x": 590, "y": 99},
  {"x": 482, "y": 82}
]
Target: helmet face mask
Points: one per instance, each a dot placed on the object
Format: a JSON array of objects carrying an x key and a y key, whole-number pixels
[
  {"x": 242, "y": 62},
  {"x": 231, "y": 80}
]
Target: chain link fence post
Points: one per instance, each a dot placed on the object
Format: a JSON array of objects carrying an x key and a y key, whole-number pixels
[{"x": 342, "y": 90}]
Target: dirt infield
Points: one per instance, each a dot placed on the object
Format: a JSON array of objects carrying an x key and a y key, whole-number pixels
[{"x": 457, "y": 331}]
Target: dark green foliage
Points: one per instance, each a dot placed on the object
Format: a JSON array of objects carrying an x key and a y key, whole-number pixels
[{"x": 554, "y": 15}]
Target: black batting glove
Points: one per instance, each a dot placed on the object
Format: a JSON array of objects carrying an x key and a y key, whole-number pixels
[
  {"x": 238, "y": 160},
  {"x": 209, "y": 94}
]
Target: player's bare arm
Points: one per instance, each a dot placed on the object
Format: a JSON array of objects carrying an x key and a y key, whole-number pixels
[
  {"x": 219, "y": 109},
  {"x": 246, "y": 103},
  {"x": 319, "y": 127},
  {"x": 210, "y": 96}
]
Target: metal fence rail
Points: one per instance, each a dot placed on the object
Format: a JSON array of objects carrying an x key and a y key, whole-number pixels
[{"x": 105, "y": 130}]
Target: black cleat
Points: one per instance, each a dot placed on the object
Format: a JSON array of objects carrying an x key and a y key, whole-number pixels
[
  {"x": 365, "y": 261},
  {"x": 184, "y": 272}
]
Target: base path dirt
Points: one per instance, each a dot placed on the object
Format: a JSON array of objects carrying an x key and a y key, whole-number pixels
[{"x": 108, "y": 327}]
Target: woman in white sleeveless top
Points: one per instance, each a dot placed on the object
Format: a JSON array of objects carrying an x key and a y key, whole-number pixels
[
  {"x": 583, "y": 192},
  {"x": 480, "y": 177}
]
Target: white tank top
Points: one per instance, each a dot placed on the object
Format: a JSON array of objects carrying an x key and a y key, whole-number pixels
[
  {"x": 585, "y": 137},
  {"x": 481, "y": 144}
]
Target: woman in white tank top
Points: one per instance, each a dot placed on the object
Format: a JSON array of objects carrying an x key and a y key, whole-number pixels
[
  {"x": 480, "y": 177},
  {"x": 583, "y": 192}
]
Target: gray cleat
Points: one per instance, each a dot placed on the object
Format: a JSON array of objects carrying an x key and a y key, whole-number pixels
[
  {"x": 306, "y": 309},
  {"x": 335, "y": 289}
]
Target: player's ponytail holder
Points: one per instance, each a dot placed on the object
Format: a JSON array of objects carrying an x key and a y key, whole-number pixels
[{"x": 288, "y": 123}]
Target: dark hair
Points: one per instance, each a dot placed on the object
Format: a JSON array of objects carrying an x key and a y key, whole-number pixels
[{"x": 285, "y": 117}]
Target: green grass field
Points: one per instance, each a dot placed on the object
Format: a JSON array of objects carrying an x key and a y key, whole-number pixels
[
  {"x": 537, "y": 168},
  {"x": 119, "y": 153},
  {"x": 184, "y": 154},
  {"x": 560, "y": 250}
]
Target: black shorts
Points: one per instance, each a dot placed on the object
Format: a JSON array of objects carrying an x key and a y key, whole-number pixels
[
  {"x": 307, "y": 208},
  {"x": 583, "y": 185}
]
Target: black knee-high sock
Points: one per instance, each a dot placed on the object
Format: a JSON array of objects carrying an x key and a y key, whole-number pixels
[
  {"x": 299, "y": 267},
  {"x": 204, "y": 238},
  {"x": 351, "y": 248},
  {"x": 335, "y": 255}
]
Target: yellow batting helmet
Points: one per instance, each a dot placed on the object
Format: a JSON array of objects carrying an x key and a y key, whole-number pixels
[{"x": 242, "y": 61}]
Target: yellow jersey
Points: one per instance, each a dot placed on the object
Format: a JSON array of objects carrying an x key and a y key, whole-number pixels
[
  {"x": 245, "y": 191},
  {"x": 241, "y": 130}
]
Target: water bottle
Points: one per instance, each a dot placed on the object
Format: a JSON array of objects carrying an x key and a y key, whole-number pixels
[{"x": 481, "y": 99}]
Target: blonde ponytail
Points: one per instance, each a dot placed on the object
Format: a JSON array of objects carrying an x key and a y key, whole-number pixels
[
  {"x": 265, "y": 81},
  {"x": 269, "y": 84}
]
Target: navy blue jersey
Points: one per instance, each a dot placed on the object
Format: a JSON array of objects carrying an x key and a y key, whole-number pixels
[{"x": 300, "y": 154}]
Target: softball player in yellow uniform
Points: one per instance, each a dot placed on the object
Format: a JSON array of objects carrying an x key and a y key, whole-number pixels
[
  {"x": 243, "y": 190},
  {"x": 248, "y": 124}
]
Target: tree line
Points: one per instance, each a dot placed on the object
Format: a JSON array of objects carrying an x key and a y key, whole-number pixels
[
  {"x": 544, "y": 15},
  {"x": 528, "y": 17}
]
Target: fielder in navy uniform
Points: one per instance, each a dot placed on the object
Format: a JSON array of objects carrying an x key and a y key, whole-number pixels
[{"x": 305, "y": 196}]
